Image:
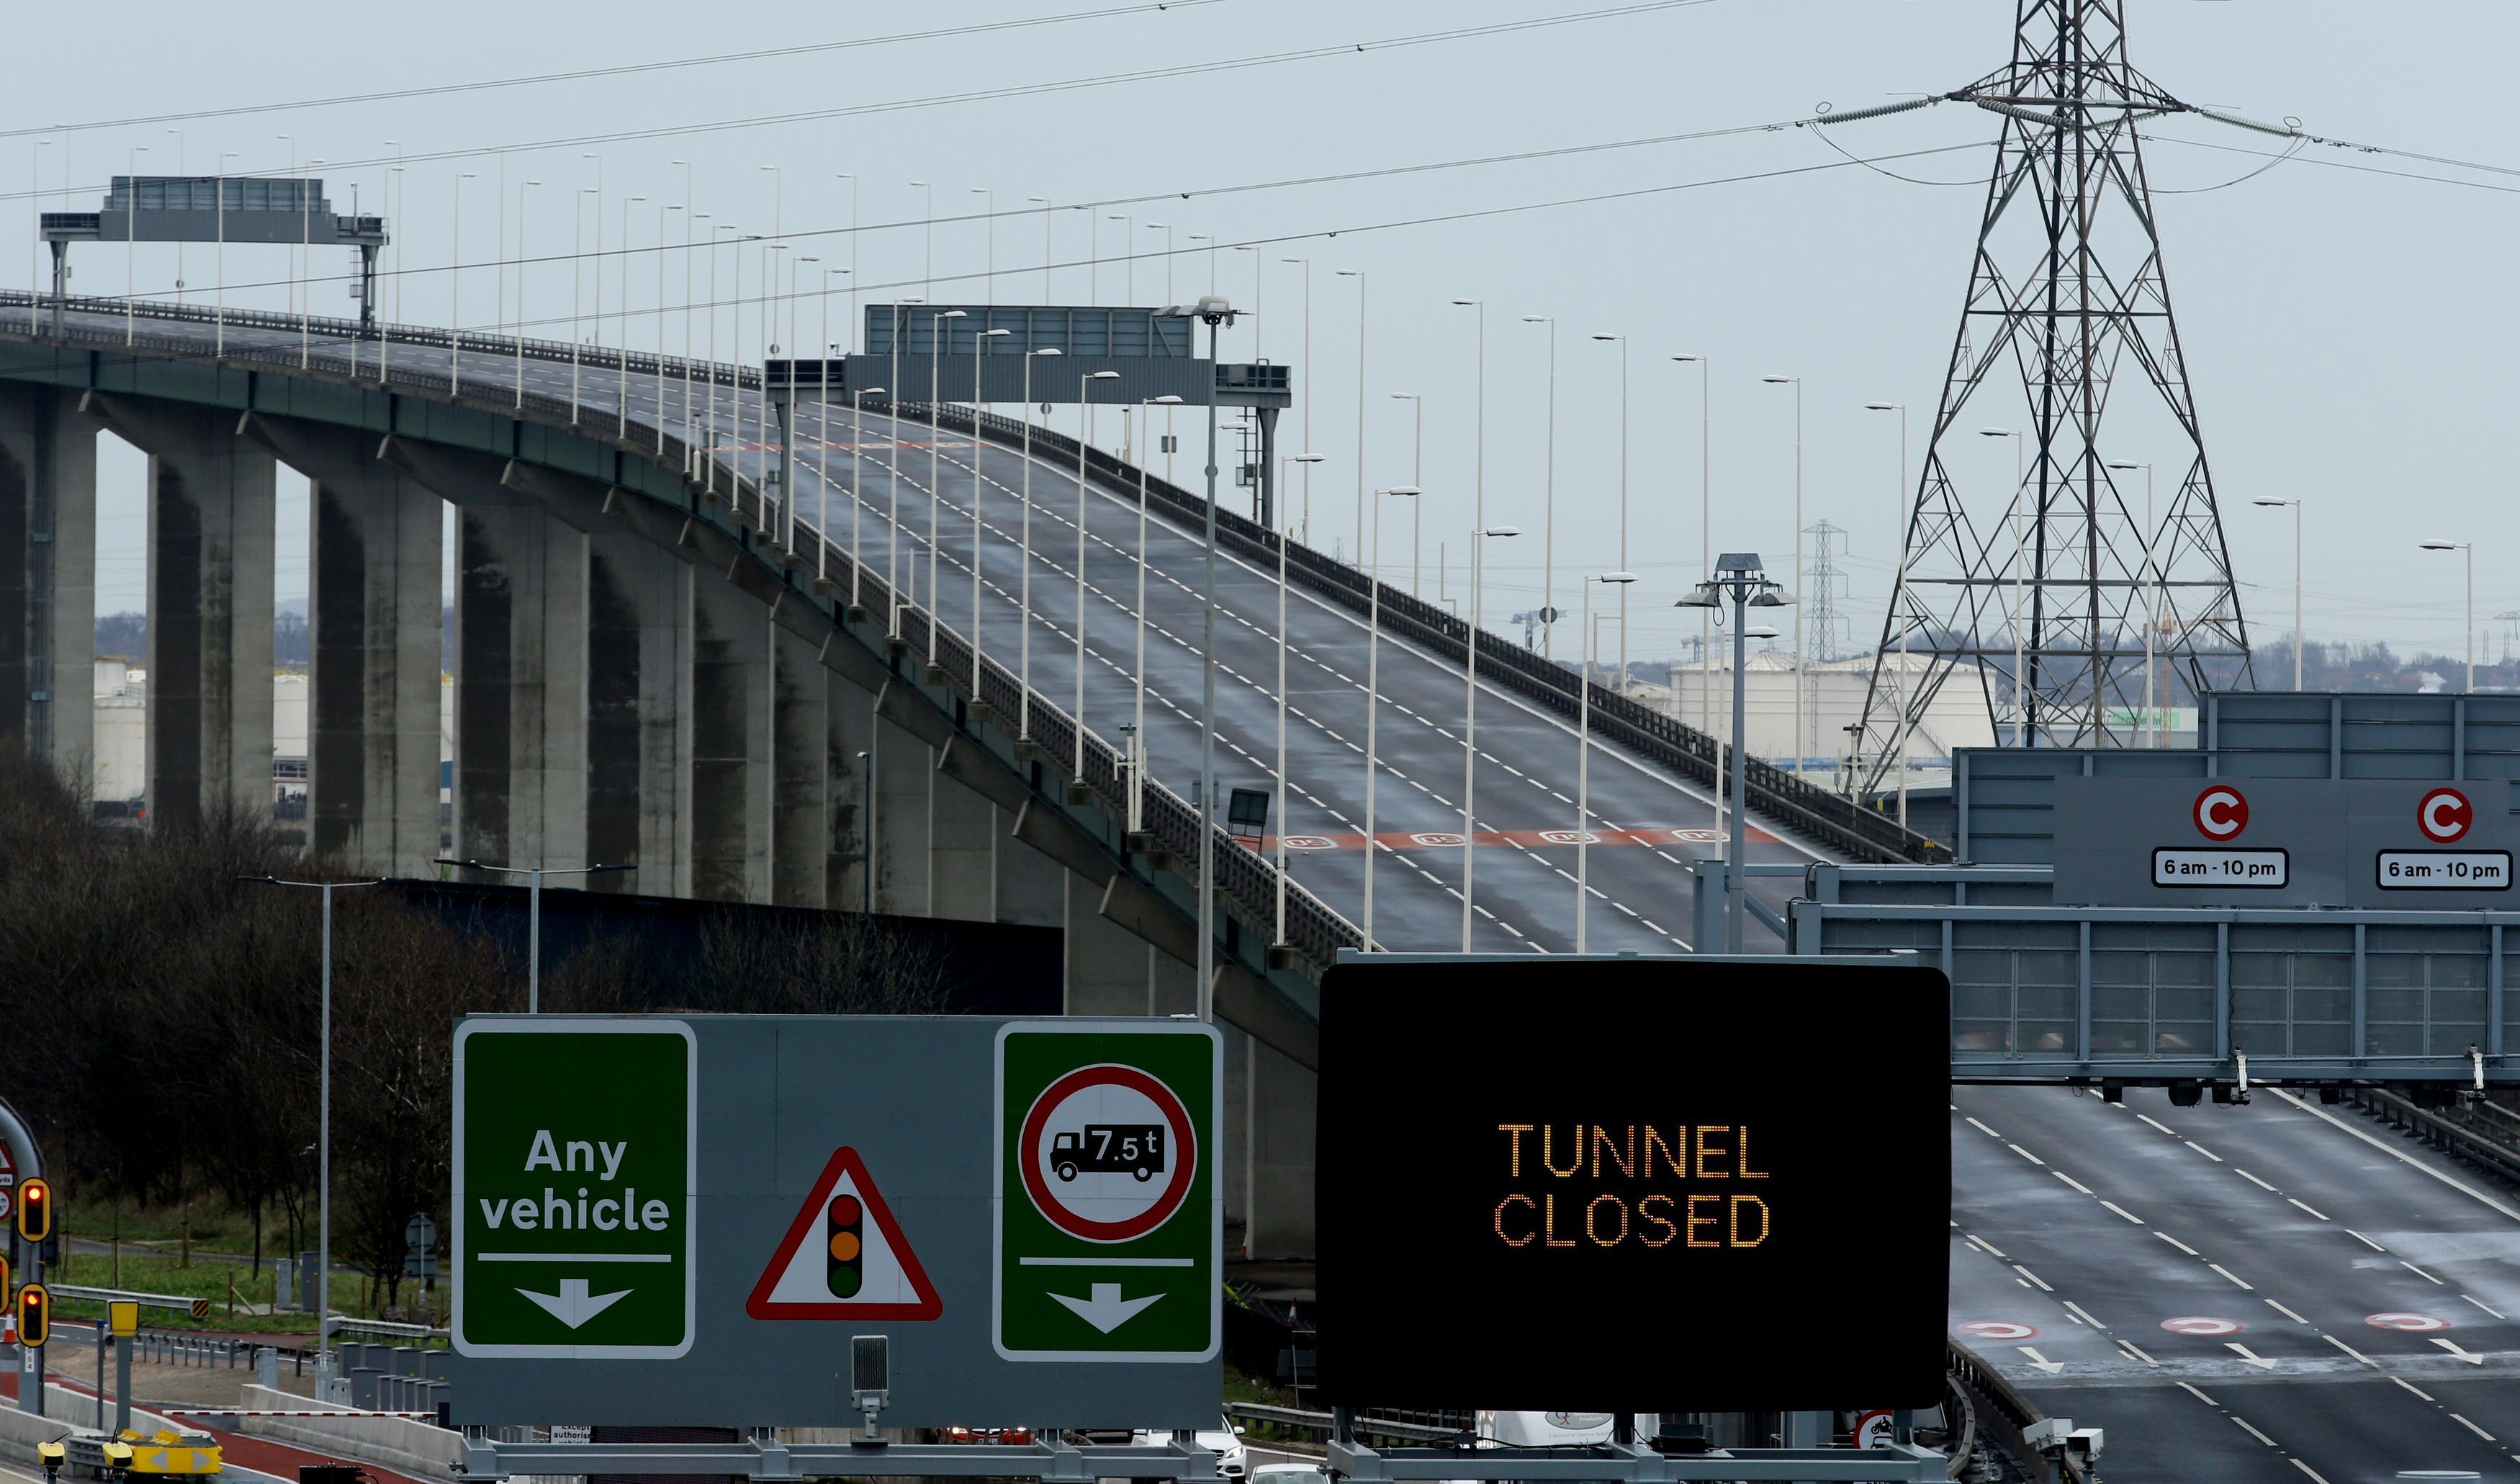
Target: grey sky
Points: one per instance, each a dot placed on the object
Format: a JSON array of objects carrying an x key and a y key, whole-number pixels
[{"x": 2345, "y": 331}]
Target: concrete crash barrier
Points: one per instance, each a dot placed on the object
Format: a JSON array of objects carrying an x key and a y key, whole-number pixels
[{"x": 423, "y": 1449}]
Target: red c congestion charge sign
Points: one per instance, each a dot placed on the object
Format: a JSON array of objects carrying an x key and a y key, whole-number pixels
[
  {"x": 2443, "y": 815},
  {"x": 2221, "y": 813}
]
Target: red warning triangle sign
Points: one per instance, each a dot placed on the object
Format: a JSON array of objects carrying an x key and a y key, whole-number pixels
[{"x": 844, "y": 1257}]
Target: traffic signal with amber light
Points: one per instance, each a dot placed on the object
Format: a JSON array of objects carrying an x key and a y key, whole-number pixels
[
  {"x": 34, "y": 1209},
  {"x": 845, "y": 1246},
  {"x": 35, "y": 1316}
]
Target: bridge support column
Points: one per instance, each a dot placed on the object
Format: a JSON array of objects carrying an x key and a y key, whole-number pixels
[
  {"x": 375, "y": 562},
  {"x": 1109, "y": 969},
  {"x": 210, "y": 536},
  {"x": 637, "y": 691},
  {"x": 731, "y": 754},
  {"x": 850, "y": 712},
  {"x": 1280, "y": 1127},
  {"x": 903, "y": 769},
  {"x": 1031, "y": 890},
  {"x": 963, "y": 837},
  {"x": 521, "y": 677},
  {"x": 48, "y": 579},
  {"x": 803, "y": 763}
]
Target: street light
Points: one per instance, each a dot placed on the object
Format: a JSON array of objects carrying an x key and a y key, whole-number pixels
[
  {"x": 1023, "y": 598},
  {"x": 324, "y": 1366},
  {"x": 940, "y": 337},
  {"x": 979, "y": 353},
  {"x": 1742, "y": 580},
  {"x": 1584, "y": 745},
  {"x": 534, "y": 913},
  {"x": 2296, "y": 581},
  {"x": 1416, "y": 479},
  {"x": 2012, "y": 518},
  {"x": 1374, "y": 685},
  {"x": 857, "y": 493},
  {"x": 1796, "y": 383},
  {"x": 1898, "y": 592},
  {"x": 1705, "y": 542},
  {"x": 1085, "y": 404},
  {"x": 1285, "y": 795},
  {"x": 1471, "y": 713},
  {"x": 1218, "y": 314},
  {"x": 1622, "y": 341},
  {"x": 2469, "y": 548},
  {"x": 1137, "y": 669},
  {"x": 1549, "y": 500}
]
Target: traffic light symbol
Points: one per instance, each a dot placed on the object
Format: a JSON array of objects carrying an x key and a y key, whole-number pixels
[
  {"x": 844, "y": 1246},
  {"x": 34, "y": 1209},
  {"x": 35, "y": 1316}
]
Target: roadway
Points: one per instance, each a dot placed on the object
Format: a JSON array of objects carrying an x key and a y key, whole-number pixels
[
  {"x": 1649, "y": 822},
  {"x": 2276, "y": 1291}
]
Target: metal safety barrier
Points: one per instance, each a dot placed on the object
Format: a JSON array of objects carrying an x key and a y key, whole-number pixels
[{"x": 2441, "y": 1132}]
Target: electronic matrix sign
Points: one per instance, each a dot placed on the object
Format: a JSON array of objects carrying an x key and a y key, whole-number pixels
[{"x": 1633, "y": 1184}]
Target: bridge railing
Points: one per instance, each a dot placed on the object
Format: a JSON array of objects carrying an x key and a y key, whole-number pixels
[
  {"x": 320, "y": 330},
  {"x": 1814, "y": 812},
  {"x": 1244, "y": 879}
]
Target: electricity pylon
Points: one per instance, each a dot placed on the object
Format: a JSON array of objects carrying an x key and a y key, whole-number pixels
[{"x": 2041, "y": 601}]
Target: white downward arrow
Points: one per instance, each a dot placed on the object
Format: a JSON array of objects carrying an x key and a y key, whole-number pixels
[
  {"x": 2453, "y": 1348},
  {"x": 1106, "y": 1310},
  {"x": 2041, "y": 1361},
  {"x": 2243, "y": 1351},
  {"x": 575, "y": 1306}
]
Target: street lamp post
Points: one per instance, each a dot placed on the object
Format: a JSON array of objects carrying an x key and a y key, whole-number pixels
[
  {"x": 1623, "y": 506},
  {"x": 1796, "y": 383},
  {"x": 1471, "y": 715},
  {"x": 1085, "y": 404},
  {"x": 325, "y": 1378},
  {"x": 1549, "y": 501},
  {"x": 534, "y": 913},
  {"x": 454, "y": 289},
  {"x": 979, "y": 355},
  {"x": 1285, "y": 795},
  {"x": 2297, "y": 642},
  {"x": 1742, "y": 580},
  {"x": 1023, "y": 597},
  {"x": 1373, "y": 693},
  {"x": 1137, "y": 668},
  {"x": 1705, "y": 542},
  {"x": 940, "y": 341},
  {"x": 2467, "y": 549},
  {"x": 519, "y": 342},
  {"x": 1584, "y": 747},
  {"x": 1218, "y": 314},
  {"x": 857, "y": 494}
]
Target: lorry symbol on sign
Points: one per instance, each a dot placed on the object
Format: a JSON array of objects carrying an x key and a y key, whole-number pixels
[
  {"x": 1108, "y": 1149},
  {"x": 2443, "y": 815},
  {"x": 2221, "y": 813}
]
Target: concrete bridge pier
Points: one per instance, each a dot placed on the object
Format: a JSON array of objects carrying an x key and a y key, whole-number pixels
[
  {"x": 637, "y": 730},
  {"x": 376, "y": 563},
  {"x": 520, "y": 678},
  {"x": 732, "y": 793},
  {"x": 211, "y": 497},
  {"x": 48, "y": 577}
]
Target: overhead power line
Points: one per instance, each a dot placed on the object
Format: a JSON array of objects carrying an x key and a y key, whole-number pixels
[
  {"x": 985, "y": 95},
  {"x": 537, "y": 79}
]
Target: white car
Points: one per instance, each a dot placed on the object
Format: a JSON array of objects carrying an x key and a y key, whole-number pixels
[
  {"x": 1225, "y": 1440},
  {"x": 1554, "y": 1429},
  {"x": 1291, "y": 1474}
]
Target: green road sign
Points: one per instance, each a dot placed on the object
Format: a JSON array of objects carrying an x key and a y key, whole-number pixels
[
  {"x": 575, "y": 1162},
  {"x": 1110, "y": 1207}
]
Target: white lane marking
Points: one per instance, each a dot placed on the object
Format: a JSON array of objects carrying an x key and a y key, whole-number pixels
[
  {"x": 2350, "y": 1350},
  {"x": 2313, "y": 1472},
  {"x": 2234, "y": 1277},
  {"x": 2157, "y": 1123},
  {"x": 2482, "y": 1304},
  {"x": 2201, "y": 1149},
  {"x": 2200, "y": 1396},
  {"x": 2364, "y": 1241},
  {"x": 2459, "y": 1185},
  {"x": 2086, "y": 1315},
  {"x": 2411, "y": 1386},
  {"x": 2286, "y": 1312},
  {"x": 2251, "y": 1431},
  {"x": 2123, "y": 1211},
  {"x": 2025, "y": 1153},
  {"x": 2255, "y": 1181},
  {"x": 2071, "y": 1181},
  {"x": 2420, "y": 1273},
  {"x": 1988, "y": 1246},
  {"x": 2175, "y": 1242},
  {"x": 2471, "y": 1426},
  {"x": 2321, "y": 1215},
  {"x": 2033, "y": 1277},
  {"x": 1983, "y": 1129},
  {"x": 2138, "y": 1354}
]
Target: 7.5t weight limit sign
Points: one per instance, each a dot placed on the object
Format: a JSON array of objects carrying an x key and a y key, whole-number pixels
[{"x": 1108, "y": 1207}]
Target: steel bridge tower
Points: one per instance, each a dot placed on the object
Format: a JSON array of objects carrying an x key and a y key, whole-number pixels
[{"x": 2041, "y": 601}]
